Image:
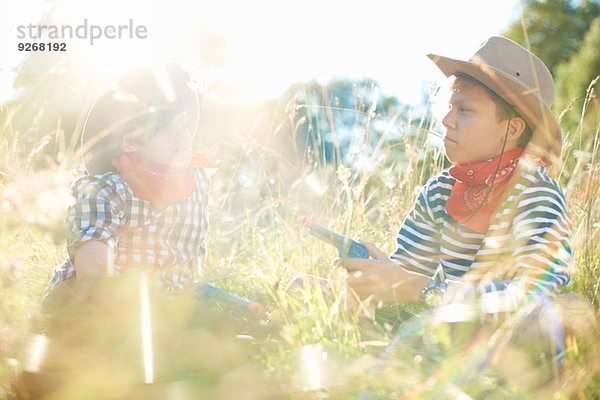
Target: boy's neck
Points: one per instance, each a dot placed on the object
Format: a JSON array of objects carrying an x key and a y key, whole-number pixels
[{"x": 507, "y": 150}]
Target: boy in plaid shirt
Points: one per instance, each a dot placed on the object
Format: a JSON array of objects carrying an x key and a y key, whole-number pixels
[{"x": 143, "y": 203}]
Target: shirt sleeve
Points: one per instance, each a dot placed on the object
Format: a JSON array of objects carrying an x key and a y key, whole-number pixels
[
  {"x": 542, "y": 257},
  {"x": 542, "y": 230},
  {"x": 418, "y": 240},
  {"x": 97, "y": 212}
]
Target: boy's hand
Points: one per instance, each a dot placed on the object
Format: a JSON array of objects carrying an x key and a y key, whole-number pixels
[
  {"x": 91, "y": 260},
  {"x": 373, "y": 250},
  {"x": 375, "y": 278},
  {"x": 382, "y": 278}
]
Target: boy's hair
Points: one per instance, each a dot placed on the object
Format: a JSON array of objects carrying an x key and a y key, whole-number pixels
[
  {"x": 503, "y": 109},
  {"x": 138, "y": 106}
]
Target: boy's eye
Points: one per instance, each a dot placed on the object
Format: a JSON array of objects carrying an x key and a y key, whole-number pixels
[{"x": 461, "y": 109}]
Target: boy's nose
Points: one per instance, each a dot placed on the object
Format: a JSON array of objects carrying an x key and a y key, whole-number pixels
[{"x": 448, "y": 121}]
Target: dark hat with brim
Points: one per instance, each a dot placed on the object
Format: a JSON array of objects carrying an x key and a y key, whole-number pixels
[{"x": 143, "y": 100}]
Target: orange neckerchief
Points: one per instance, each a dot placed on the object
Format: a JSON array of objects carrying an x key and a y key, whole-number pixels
[
  {"x": 477, "y": 194},
  {"x": 161, "y": 185}
]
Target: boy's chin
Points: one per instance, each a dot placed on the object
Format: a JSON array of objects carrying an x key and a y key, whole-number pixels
[
  {"x": 456, "y": 159},
  {"x": 180, "y": 162},
  {"x": 451, "y": 158}
]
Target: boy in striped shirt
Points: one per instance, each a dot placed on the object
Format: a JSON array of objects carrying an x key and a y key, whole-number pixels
[{"x": 493, "y": 224}]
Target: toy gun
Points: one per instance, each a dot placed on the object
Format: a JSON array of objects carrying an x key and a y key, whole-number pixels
[
  {"x": 347, "y": 248},
  {"x": 227, "y": 301}
]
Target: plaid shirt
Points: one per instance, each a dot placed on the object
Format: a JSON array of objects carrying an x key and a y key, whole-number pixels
[{"x": 171, "y": 242}]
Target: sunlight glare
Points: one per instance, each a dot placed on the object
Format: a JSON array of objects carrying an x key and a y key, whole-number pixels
[
  {"x": 313, "y": 357},
  {"x": 36, "y": 351},
  {"x": 111, "y": 57},
  {"x": 110, "y": 261},
  {"x": 458, "y": 312},
  {"x": 146, "y": 329},
  {"x": 315, "y": 185}
]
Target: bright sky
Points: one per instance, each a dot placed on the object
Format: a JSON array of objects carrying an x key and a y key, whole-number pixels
[{"x": 273, "y": 43}]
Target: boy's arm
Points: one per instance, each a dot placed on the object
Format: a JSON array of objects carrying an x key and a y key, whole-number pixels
[
  {"x": 402, "y": 276},
  {"x": 91, "y": 260},
  {"x": 384, "y": 279},
  {"x": 542, "y": 257},
  {"x": 418, "y": 240},
  {"x": 542, "y": 230},
  {"x": 94, "y": 218}
]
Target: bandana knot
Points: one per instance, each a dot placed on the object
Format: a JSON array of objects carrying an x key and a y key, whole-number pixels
[
  {"x": 161, "y": 185},
  {"x": 479, "y": 189}
]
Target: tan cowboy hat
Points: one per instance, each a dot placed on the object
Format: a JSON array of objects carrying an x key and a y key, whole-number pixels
[{"x": 522, "y": 80}]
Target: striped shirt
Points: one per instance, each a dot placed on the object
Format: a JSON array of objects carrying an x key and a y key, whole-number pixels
[
  {"x": 527, "y": 244},
  {"x": 170, "y": 242}
]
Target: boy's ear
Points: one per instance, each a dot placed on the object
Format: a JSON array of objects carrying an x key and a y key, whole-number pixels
[
  {"x": 129, "y": 144},
  {"x": 516, "y": 127}
]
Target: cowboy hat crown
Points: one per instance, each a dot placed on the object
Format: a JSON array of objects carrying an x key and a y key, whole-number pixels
[{"x": 522, "y": 80}]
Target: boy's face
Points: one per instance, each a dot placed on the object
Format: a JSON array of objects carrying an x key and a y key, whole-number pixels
[
  {"x": 171, "y": 145},
  {"x": 473, "y": 132}
]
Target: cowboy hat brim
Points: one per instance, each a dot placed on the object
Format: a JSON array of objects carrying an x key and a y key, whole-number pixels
[{"x": 547, "y": 138}]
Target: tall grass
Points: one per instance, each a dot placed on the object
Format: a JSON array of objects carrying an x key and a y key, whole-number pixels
[{"x": 256, "y": 247}]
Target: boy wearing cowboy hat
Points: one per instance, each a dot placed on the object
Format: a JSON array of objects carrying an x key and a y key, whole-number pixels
[
  {"x": 143, "y": 203},
  {"x": 494, "y": 221}
]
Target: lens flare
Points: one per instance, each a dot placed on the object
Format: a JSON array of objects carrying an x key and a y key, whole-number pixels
[
  {"x": 146, "y": 323},
  {"x": 315, "y": 185},
  {"x": 313, "y": 358},
  {"x": 36, "y": 351}
]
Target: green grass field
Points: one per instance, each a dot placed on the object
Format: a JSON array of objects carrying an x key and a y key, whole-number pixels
[{"x": 313, "y": 346}]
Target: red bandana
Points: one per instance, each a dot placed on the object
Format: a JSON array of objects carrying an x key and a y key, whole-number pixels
[
  {"x": 157, "y": 183},
  {"x": 476, "y": 193}
]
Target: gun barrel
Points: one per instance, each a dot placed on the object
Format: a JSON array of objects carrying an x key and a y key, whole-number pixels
[
  {"x": 328, "y": 235},
  {"x": 207, "y": 291},
  {"x": 347, "y": 248}
]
